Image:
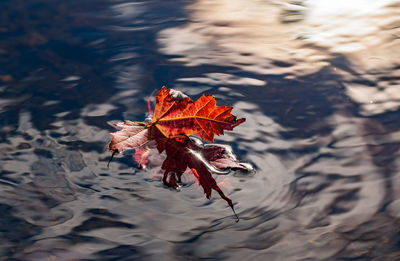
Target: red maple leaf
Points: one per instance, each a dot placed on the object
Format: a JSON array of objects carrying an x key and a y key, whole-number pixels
[
  {"x": 174, "y": 119},
  {"x": 183, "y": 153}
]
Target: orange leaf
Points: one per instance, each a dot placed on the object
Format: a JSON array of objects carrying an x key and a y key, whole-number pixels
[{"x": 174, "y": 118}]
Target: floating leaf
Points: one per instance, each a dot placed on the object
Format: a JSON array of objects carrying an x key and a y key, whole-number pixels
[
  {"x": 175, "y": 118},
  {"x": 132, "y": 135}
]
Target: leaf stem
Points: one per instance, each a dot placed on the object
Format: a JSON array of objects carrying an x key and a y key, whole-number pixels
[
  {"x": 112, "y": 156},
  {"x": 149, "y": 104}
]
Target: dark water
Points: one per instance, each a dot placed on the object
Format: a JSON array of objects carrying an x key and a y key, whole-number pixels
[{"x": 319, "y": 84}]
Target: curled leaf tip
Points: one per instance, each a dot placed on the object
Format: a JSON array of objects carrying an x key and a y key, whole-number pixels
[{"x": 234, "y": 212}]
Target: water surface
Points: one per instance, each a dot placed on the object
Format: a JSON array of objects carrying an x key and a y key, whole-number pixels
[{"x": 317, "y": 82}]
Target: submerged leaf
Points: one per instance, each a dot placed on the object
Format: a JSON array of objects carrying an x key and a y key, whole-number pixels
[
  {"x": 220, "y": 158},
  {"x": 185, "y": 154}
]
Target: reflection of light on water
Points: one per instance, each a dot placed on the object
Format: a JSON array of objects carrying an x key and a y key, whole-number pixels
[
  {"x": 224, "y": 79},
  {"x": 239, "y": 33},
  {"x": 293, "y": 39},
  {"x": 337, "y": 24},
  {"x": 324, "y": 8},
  {"x": 385, "y": 96},
  {"x": 243, "y": 26}
]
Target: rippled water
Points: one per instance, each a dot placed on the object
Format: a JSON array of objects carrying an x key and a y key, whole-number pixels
[{"x": 317, "y": 81}]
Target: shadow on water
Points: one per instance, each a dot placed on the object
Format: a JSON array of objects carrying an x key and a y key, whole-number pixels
[{"x": 317, "y": 84}]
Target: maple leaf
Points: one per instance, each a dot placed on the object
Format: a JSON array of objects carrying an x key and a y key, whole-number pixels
[
  {"x": 174, "y": 118},
  {"x": 221, "y": 157},
  {"x": 141, "y": 156},
  {"x": 183, "y": 154},
  {"x": 131, "y": 136}
]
